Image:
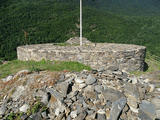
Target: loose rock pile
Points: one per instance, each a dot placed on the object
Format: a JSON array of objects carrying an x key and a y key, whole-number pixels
[{"x": 88, "y": 95}]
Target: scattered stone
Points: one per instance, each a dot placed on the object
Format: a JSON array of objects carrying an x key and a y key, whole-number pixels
[
  {"x": 18, "y": 93},
  {"x": 90, "y": 80},
  {"x": 86, "y": 95},
  {"x": 74, "y": 114},
  {"x": 79, "y": 81},
  {"x": 24, "y": 108},
  {"x": 62, "y": 88},
  {"x": 10, "y": 77},
  {"x": 117, "y": 107},
  {"x": 3, "y": 109},
  {"x": 112, "y": 68},
  {"x": 98, "y": 88},
  {"x": 112, "y": 95},
  {"x": 81, "y": 116},
  {"x": 148, "y": 108},
  {"x": 56, "y": 94}
]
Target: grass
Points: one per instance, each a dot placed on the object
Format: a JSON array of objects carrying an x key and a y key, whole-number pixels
[{"x": 14, "y": 66}]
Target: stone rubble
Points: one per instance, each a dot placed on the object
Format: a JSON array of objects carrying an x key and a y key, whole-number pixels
[{"x": 101, "y": 94}]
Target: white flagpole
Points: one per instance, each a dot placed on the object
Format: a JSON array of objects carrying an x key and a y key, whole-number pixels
[{"x": 80, "y": 22}]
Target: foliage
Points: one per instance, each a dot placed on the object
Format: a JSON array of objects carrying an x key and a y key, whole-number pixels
[
  {"x": 50, "y": 21},
  {"x": 14, "y": 66}
]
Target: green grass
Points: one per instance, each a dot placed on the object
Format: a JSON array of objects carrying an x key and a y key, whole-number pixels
[{"x": 14, "y": 66}]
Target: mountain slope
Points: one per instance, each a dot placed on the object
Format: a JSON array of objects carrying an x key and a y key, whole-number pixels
[
  {"x": 38, "y": 21},
  {"x": 129, "y": 7}
]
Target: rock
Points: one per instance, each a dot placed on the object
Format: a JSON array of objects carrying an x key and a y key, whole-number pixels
[
  {"x": 90, "y": 80},
  {"x": 134, "y": 80},
  {"x": 101, "y": 115},
  {"x": 91, "y": 116},
  {"x": 44, "y": 115},
  {"x": 117, "y": 108},
  {"x": 98, "y": 88},
  {"x": 10, "y": 77},
  {"x": 18, "y": 93},
  {"x": 131, "y": 91},
  {"x": 73, "y": 114},
  {"x": 81, "y": 116},
  {"x": 36, "y": 116},
  {"x": 56, "y": 94},
  {"x": 156, "y": 102},
  {"x": 82, "y": 85},
  {"x": 21, "y": 73},
  {"x": 112, "y": 68},
  {"x": 152, "y": 87},
  {"x": 143, "y": 116},
  {"x": 133, "y": 96},
  {"x": 3, "y": 109},
  {"x": 24, "y": 108},
  {"x": 111, "y": 94},
  {"x": 79, "y": 80},
  {"x": 148, "y": 108},
  {"x": 62, "y": 88}
]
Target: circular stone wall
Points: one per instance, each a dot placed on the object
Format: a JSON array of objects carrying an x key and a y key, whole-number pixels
[{"x": 100, "y": 55}]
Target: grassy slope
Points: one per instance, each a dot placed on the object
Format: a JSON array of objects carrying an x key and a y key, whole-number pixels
[
  {"x": 49, "y": 21},
  {"x": 14, "y": 66}
]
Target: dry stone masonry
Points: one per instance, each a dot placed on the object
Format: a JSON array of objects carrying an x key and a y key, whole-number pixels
[{"x": 123, "y": 56}]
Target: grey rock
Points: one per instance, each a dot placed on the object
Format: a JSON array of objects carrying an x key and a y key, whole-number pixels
[
  {"x": 36, "y": 116},
  {"x": 68, "y": 117},
  {"x": 62, "y": 88},
  {"x": 148, "y": 108},
  {"x": 101, "y": 117},
  {"x": 112, "y": 68},
  {"x": 45, "y": 98},
  {"x": 143, "y": 116},
  {"x": 90, "y": 80},
  {"x": 81, "y": 116},
  {"x": 56, "y": 94},
  {"x": 18, "y": 93},
  {"x": 132, "y": 91},
  {"x": 74, "y": 114},
  {"x": 44, "y": 114},
  {"x": 24, "y": 108},
  {"x": 117, "y": 107},
  {"x": 10, "y": 77},
  {"x": 98, "y": 88},
  {"x": 111, "y": 94},
  {"x": 3, "y": 109}
]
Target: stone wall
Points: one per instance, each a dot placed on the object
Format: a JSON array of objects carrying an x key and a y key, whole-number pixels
[{"x": 100, "y": 55}]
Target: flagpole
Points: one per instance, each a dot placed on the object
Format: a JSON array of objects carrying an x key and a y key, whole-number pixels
[{"x": 80, "y": 22}]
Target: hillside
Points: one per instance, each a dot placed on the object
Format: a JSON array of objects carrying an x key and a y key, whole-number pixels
[{"x": 38, "y": 21}]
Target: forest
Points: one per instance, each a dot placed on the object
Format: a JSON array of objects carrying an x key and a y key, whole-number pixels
[{"x": 48, "y": 21}]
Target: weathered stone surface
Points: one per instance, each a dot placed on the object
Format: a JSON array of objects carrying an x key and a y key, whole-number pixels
[
  {"x": 24, "y": 108},
  {"x": 90, "y": 80},
  {"x": 112, "y": 95},
  {"x": 117, "y": 107},
  {"x": 148, "y": 108},
  {"x": 127, "y": 57},
  {"x": 3, "y": 109},
  {"x": 19, "y": 92}
]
